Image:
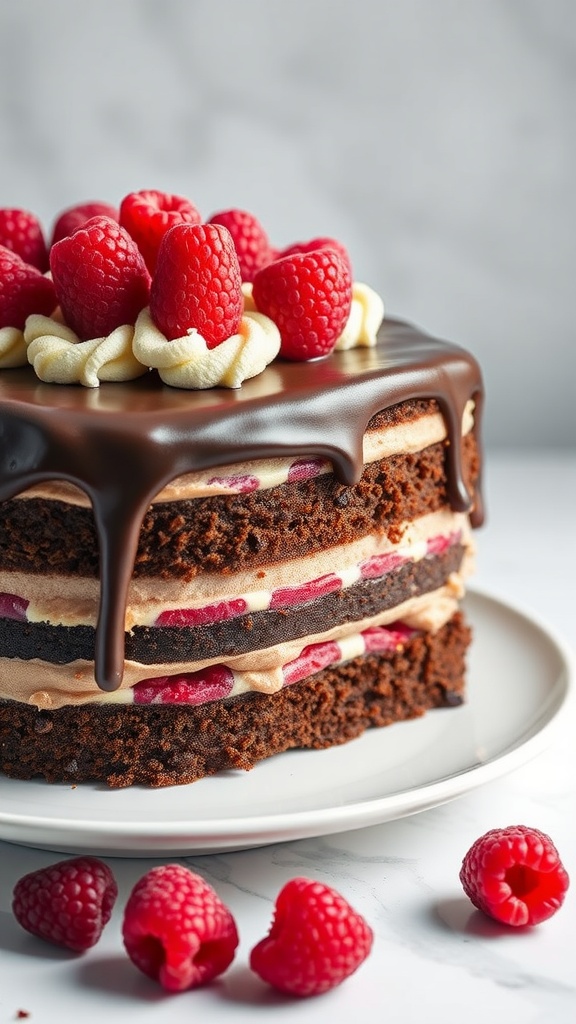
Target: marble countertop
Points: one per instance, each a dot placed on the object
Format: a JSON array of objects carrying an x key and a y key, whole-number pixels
[{"x": 435, "y": 958}]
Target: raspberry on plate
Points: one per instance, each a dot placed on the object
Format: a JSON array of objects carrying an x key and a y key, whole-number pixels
[
  {"x": 308, "y": 296},
  {"x": 148, "y": 215},
  {"x": 100, "y": 278},
  {"x": 250, "y": 240},
  {"x": 315, "y": 942},
  {"x": 23, "y": 290},
  {"x": 22, "y": 232},
  {"x": 68, "y": 903},
  {"x": 197, "y": 285},
  {"x": 515, "y": 875},
  {"x": 75, "y": 217},
  {"x": 177, "y": 930}
]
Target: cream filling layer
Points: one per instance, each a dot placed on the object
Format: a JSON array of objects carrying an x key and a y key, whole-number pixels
[
  {"x": 73, "y": 601},
  {"x": 262, "y": 474},
  {"x": 50, "y": 686}
]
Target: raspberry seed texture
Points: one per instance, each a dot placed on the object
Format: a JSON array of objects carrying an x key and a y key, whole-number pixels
[
  {"x": 21, "y": 232},
  {"x": 315, "y": 942},
  {"x": 308, "y": 296},
  {"x": 68, "y": 903},
  {"x": 148, "y": 215},
  {"x": 74, "y": 217},
  {"x": 100, "y": 278},
  {"x": 515, "y": 875},
  {"x": 177, "y": 930},
  {"x": 250, "y": 240},
  {"x": 197, "y": 285},
  {"x": 23, "y": 290}
]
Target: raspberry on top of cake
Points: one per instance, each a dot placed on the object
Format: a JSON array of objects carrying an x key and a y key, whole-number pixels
[{"x": 123, "y": 284}]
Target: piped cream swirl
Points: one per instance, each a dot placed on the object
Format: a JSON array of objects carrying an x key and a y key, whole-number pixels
[
  {"x": 12, "y": 348},
  {"x": 364, "y": 320},
  {"x": 59, "y": 357},
  {"x": 187, "y": 362}
]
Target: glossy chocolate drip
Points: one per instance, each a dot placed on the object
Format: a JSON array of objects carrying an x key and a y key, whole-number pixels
[{"x": 121, "y": 443}]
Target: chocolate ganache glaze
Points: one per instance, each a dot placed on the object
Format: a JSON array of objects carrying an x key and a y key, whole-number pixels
[{"x": 121, "y": 443}]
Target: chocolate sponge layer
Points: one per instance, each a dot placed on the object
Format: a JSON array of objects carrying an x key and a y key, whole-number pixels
[
  {"x": 234, "y": 532},
  {"x": 156, "y": 745}
]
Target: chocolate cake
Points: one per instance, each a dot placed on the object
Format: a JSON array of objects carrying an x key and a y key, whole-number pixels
[
  {"x": 235, "y": 511},
  {"x": 278, "y": 566}
]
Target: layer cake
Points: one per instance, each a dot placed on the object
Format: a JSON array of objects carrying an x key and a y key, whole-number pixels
[
  {"x": 235, "y": 503},
  {"x": 193, "y": 581}
]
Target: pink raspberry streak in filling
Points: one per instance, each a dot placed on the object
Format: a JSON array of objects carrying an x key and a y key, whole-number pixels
[
  {"x": 13, "y": 607},
  {"x": 440, "y": 544},
  {"x": 237, "y": 483},
  {"x": 312, "y": 659},
  {"x": 304, "y": 469},
  {"x": 379, "y": 565},
  {"x": 306, "y": 592},
  {"x": 203, "y": 616},
  {"x": 391, "y": 638},
  {"x": 212, "y": 683}
]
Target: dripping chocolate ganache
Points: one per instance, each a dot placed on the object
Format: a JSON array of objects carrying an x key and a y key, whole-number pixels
[{"x": 234, "y": 560}]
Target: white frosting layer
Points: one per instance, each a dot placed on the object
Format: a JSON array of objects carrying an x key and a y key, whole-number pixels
[
  {"x": 364, "y": 320},
  {"x": 187, "y": 362},
  {"x": 53, "y": 686},
  {"x": 59, "y": 357}
]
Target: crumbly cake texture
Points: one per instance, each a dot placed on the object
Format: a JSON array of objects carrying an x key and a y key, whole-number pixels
[
  {"x": 229, "y": 533},
  {"x": 163, "y": 746}
]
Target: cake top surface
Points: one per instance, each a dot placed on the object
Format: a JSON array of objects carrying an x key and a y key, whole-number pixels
[{"x": 320, "y": 408}]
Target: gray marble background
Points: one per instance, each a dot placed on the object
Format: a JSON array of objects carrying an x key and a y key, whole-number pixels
[{"x": 436, "y": 138}]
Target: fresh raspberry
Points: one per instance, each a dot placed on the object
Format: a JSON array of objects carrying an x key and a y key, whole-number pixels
[
  {"x": 148, "y": 215},
  {"x": 250, "y": 240},
  {"x": 23, "y": 290},
  {"x": 197, "y": 284},
  {"x": 68, "y": 903},
  {"x": 76, "y": 216},
  {"x": 315, "y": 942},
  {"x": 308, "y": 296},
  {"x": 515, "y": 875},
  {"x": 100, "y": 278},
  {"x": 21, "y": 232},
  {"x": 318, "y": 243},
  {"x": 177, "y": 930}
]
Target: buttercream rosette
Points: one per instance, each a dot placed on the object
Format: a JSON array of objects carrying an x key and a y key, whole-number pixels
[
  {"x": 12, "y": 348},
  {"x": 187, "y": 362},
  {"x": 60, "y": 357}
]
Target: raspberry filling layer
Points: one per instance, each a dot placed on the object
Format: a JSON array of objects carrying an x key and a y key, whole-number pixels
[
  {"x": 12, "y": 606},
  {"x": 372, "y": 568},
  {"x": 217, "y": 682}
]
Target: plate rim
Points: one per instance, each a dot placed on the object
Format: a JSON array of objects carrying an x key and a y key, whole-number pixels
[{"x": 261, "y": 829}]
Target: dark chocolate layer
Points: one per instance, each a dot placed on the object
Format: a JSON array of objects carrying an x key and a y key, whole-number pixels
[
  {"x": 122, "y": 443},
  {"x": 163, "y": 745},
  {"x": 148, "y": 645}
]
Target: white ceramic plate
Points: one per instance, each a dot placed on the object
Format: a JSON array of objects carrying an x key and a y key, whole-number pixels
[{"x": 519, "y": 681}]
